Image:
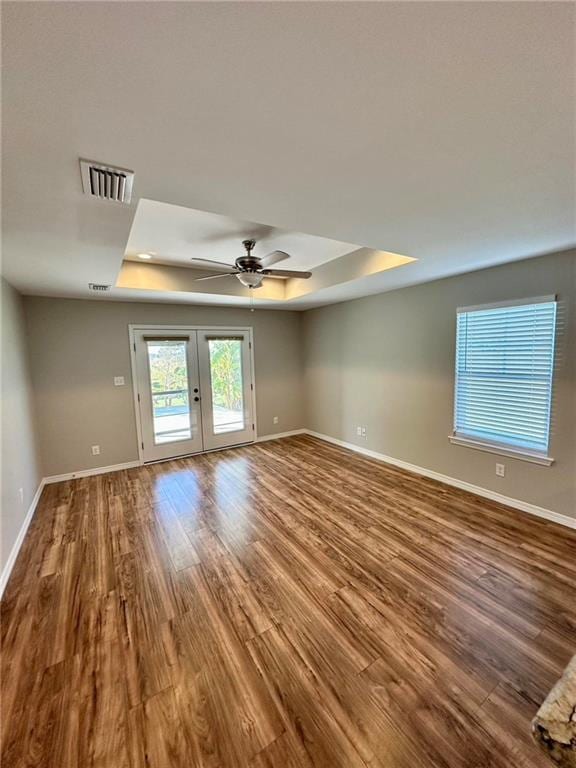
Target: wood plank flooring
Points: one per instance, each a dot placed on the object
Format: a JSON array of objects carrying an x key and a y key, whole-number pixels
[{"x": 284, "y": 605}]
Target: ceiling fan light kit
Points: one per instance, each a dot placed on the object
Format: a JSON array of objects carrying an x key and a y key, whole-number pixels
[
  {"x": 250, "y": 279},
  {"x": 251, "y": 270}
]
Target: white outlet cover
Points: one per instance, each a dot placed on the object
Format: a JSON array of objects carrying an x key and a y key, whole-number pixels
[
  {"x": 119, "y": 381},
  {"x": 500, "y": 470},
  {"x": 275, "y": 419},
  {"x": 359, "y": 431},
  {"x": 95, "y": 450}
]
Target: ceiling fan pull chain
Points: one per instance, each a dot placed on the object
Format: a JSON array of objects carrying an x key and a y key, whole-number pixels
[{"x": 251, "y": 299}]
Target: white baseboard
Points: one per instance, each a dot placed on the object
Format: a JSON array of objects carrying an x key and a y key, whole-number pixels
[
  {"x": 90, "y": 472},
  {"x": 138, "y": 463},
  {"x": 278, "y": 435},
  {"x": 7, "y": 570},
  {"x": 524, "y": 506}
]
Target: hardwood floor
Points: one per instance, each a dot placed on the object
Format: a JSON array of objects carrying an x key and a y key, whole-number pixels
[{"x": 283, "y": 605}]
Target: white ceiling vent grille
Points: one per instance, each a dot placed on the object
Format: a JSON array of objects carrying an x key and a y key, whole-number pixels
[
  {"x": 106, "y": 182},
  {"x": 99, "y": 287}
]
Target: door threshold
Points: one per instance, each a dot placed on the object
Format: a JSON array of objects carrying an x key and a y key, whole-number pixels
[{"x": 197, "y": 453}]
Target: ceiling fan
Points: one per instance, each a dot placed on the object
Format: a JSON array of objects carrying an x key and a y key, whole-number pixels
[{"x": 249, "y": 269}]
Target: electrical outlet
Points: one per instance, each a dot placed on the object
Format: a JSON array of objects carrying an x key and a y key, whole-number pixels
[
  {"x": 359, "y": 431},
  {"x": 500, "y": 470},
  {"x": 95, "y": 450},
  {"x": 119, "y": 381},
  {"x": 275, "y": 419},
  {"x": 364, "y": 432},
  {"x": 21, "y": 495}
]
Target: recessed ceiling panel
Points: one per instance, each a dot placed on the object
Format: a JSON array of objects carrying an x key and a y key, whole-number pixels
[
  {"x": 440, "y": 130},
  {"x": 173, "y": 234}
]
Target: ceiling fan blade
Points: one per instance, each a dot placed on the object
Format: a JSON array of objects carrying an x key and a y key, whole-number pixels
[
  {"x": 215, "y": 265},
  {"x": 214, "y": 277},
  {"x": 273, "y": 258},
  {"x": 286, "y": 273}
]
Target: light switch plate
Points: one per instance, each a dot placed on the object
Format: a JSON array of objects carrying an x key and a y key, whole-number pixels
[
  {"x": 119, "y": 381},
  {"x": 500, "y": 470}
]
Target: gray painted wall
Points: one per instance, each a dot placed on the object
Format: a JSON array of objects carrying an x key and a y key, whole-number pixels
[
  {"x": 387, "y": 362},
  {"x": 78, "y": 346},
  {"x": 20, "y": 463}
]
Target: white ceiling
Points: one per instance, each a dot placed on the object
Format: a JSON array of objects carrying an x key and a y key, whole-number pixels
[
  {"x": 173, "y": 234},
  {"x": 444, "y": 131}
]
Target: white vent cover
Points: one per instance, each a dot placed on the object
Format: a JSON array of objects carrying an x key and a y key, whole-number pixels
[
  {"x": 100, "y": 287},
  {"x": 106, "y": 181}
]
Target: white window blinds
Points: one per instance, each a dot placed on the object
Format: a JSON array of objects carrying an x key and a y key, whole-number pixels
[{"x": 504, "y": 367}]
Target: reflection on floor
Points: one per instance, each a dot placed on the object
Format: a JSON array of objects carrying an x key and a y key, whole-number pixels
[{"x": 285, "y": 604}]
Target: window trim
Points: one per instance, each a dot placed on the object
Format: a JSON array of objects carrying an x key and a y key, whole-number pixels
[
  {"x": 502, "y": 449},
  {"x": 509, "y": 303}
]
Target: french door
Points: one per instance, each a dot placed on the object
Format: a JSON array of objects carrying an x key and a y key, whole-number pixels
[
  {"x": 225, "y": 364},
  {"x": 194, "y": 390}
]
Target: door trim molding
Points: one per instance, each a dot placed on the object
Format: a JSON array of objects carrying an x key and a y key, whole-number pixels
[
  {"x": 134, "y": 372},
  {"x": 133, "y": 328}
]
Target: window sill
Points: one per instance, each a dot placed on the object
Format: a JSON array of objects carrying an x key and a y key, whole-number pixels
[{"x": 513, "y": 453}]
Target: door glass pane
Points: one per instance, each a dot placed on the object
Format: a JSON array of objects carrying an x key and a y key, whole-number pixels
[
  {"x": 227, "y": 387},
  {"x": 170, "y": 394}
]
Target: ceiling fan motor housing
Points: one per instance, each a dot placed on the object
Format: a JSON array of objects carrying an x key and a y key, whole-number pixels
[{"x": 248, "y": 263}]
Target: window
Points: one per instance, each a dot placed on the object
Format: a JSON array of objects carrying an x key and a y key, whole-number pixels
[{"x": 504, "y": 367}]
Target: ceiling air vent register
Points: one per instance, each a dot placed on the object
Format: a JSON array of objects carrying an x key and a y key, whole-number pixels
[
  {"x": 99, "y": 287},
  {"x": 106, "y": 182}
]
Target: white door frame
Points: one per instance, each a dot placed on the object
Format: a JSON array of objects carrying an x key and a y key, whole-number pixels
[
  {"x": 194, "y": 444},
  {"x": 211, "y": 438},
  {"x": 134, "y": 327}
]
